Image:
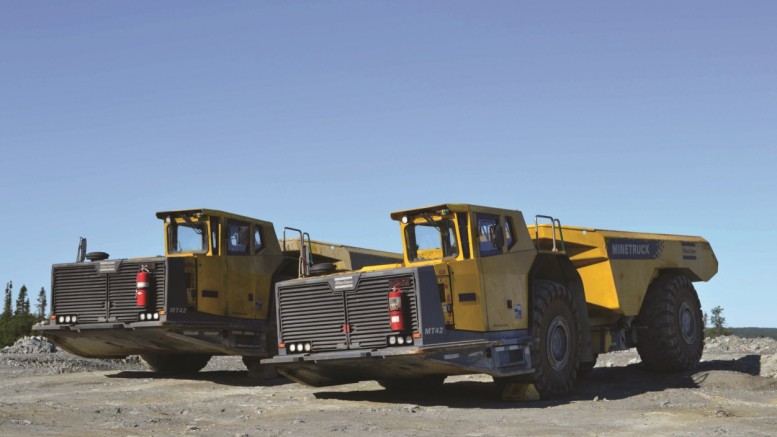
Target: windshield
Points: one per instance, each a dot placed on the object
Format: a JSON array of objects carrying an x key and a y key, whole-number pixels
[
  {"x": 188, "y": 237},
  {"x": 430, "y": 240}
]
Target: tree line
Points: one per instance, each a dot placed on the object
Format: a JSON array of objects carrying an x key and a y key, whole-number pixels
[{"x": 16, "y": 320}]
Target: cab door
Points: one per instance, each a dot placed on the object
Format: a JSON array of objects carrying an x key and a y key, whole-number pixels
[
  {"x": 468, "y": 303},
  {"x": 504, "y": 276},
  {"x": 211, "y": 296},
  {"x": 241, "y": 286}
]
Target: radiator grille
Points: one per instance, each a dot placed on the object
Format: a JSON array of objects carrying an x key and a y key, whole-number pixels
[
  {"x": 368, "y": 312},
  {"x": 313, "y": 312},
  {"x": 78, "y": 289}
]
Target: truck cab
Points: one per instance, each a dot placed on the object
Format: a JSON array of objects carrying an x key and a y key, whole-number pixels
[
  {"x": 482, "y": 259},
  {"x": 229, "y": 261}
]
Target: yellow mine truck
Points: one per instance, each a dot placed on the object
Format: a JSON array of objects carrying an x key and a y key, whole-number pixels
[
  {"x": 211, "y": 294},
  {"x": 479, "y": 291}
]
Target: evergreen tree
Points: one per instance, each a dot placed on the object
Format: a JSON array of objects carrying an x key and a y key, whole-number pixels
[
  {"x": 718, "y": 322},
  {"x": 7, "y": 302},
  {"x": 42, "y": 303},
  {"x": 21, "y": 302}
]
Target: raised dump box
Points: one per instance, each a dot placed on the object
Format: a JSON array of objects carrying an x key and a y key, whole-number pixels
[{"x": 617, "y": 267}]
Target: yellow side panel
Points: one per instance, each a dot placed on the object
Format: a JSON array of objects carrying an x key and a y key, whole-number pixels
[
  {"x": 265, "y": 264},
  {"x": 250, "y": 284},
  {"x": 599, "y": 286},
  {"x": 211, "y": 290},
  {"x": 241, "y": 286},
  {"x": 617, "y": 267},
  {"x": 468, "y": 304},
  {"x": 505, "y": 281}
]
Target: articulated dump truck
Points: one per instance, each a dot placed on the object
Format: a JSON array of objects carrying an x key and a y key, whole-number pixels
[
  {"x": 211, "y": 294},
  {"x": 479, "y": 291}
]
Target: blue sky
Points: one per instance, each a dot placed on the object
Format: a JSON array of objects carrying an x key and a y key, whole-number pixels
[{"x": 326, "y": 116}]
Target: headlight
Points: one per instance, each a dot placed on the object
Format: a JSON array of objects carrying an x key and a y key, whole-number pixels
[
  {"x": 142, "y": 316},
  {"x": 308, "y": 346},
  {"x": 292, "y": 347},
  {"x": 61, "y": 319},
  {"x": 156, "y": 316},
  {"x": 74, "y": 319}
]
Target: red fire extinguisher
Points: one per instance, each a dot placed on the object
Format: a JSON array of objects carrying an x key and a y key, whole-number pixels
[
  {"x": 142, "y": 287},
  {"x": 396, "y": 315}
]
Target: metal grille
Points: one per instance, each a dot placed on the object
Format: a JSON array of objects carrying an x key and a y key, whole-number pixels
[
  {"x": 368, "y": 312},
  {"x": 78, "y": 289},
  {"x": 313, "y": 312}
]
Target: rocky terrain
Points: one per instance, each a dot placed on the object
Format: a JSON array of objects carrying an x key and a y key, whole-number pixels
[{"x": 45, "y": 391}]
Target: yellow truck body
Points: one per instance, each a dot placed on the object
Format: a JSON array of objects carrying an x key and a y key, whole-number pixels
[
  {"x": 210, "y": 294},
  {"x": 485, "y": 293}
]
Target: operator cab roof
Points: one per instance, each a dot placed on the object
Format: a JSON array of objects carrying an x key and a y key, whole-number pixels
[
  {"x": 162, "y": 215},
  {"x": 452, "y": 207}
]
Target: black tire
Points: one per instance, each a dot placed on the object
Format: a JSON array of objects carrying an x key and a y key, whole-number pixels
[
  {"x": 96, "y": 256},
  {"x": 176, "y": 363},
  {"x": 673, "y": 338},
  {"x": 321, "y": 269},
  {"x": 586, "y": 368},
  {"x": 425, "y": 383},
  {"x": 557, "y": 339}
]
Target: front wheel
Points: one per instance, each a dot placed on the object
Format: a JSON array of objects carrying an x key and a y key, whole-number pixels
[
  {"x": 557, "y": 339},
  {"x": 673, "y": 338}
]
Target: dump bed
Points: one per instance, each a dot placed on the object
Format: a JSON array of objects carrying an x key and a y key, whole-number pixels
[
  {"x": 617, "y": 267},
  {"x": 343, "y": 257}
]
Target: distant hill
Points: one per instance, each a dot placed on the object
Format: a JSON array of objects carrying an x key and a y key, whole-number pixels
[{"x": 753, "y": 332}]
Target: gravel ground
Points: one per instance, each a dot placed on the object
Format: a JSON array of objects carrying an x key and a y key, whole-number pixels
[{"x": 50, "y": 392}]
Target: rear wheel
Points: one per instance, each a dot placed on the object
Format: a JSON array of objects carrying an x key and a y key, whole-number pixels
[
  {"x": 425, "y": 383},
  {"x": 673, "y": 338},
  {"x": 176, "y": 363},
  {"x": 557, "y": 339}
]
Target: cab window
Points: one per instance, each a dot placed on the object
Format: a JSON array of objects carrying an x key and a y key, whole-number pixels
[
  {"x": 429, "y": 240},
  {"x": 257, "y": 239},
  {"x": 509, "y": 234},
  {"x": 188, "y": 237},
  {"x": 237, "y": 238},
  {"x": 214, "y": 235},
  {"x": 488, "y": 240}
]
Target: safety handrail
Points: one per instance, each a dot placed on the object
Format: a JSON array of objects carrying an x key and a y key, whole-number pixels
[
  {"x": 304, "y": 261},
  {"x": 554, "y": 223}
]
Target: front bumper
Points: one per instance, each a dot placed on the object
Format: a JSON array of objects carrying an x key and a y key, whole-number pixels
[
  {"x": 342, "y": 367},
  {"x": 112, "y": 340}
]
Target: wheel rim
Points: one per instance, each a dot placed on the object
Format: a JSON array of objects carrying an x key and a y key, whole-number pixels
[
  {"x": 687, "y": 323},
  {"x": 558, "y": 343}
]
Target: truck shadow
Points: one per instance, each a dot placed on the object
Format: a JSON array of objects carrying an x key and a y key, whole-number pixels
[
  {"x": 602, "y": 384},
  {"x": 222, "y": 377}
]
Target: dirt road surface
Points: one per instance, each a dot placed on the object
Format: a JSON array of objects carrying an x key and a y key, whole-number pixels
[{"x": 733, "y": 392}]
